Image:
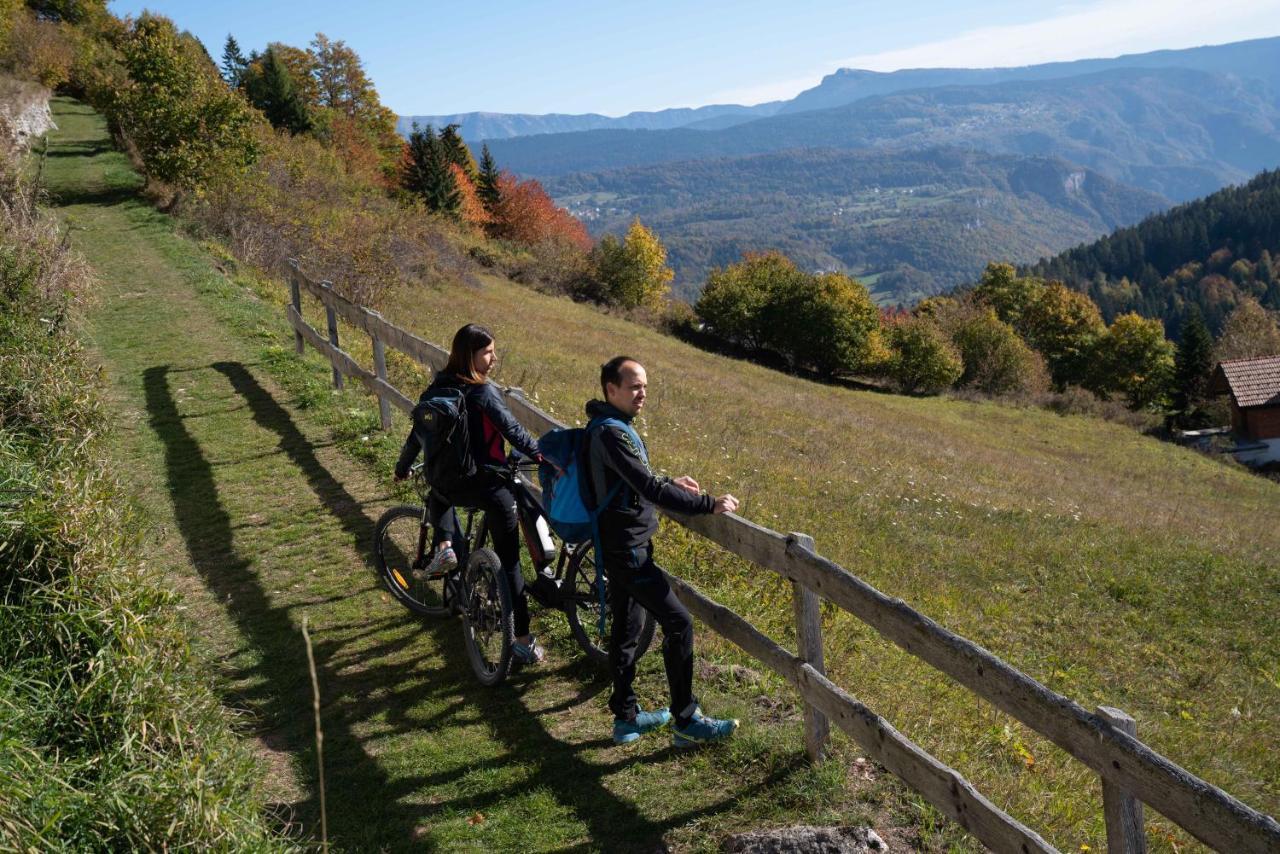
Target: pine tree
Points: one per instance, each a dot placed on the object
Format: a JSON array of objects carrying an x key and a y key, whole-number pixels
[
  {"x": 427, "y": 174},
  {"x": 269, "y": 87},
  {"x": 487, "y": 181},
  {"x": 1192, "y": 366},
  {"x": 457, "y": 152},
  {"x": 234, "y": 63}
]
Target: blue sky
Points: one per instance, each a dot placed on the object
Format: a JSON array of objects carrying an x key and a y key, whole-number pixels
[{"x": 575, "y": 56}]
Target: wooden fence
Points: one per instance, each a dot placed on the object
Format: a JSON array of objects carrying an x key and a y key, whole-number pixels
[{"x": 1105, "y": 740}]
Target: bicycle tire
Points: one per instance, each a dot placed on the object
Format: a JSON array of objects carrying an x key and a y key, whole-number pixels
[
  {"x": 584, "y": 604},
  {"x": 488, "y": 623},
  {"x": 395, "y": 549}
]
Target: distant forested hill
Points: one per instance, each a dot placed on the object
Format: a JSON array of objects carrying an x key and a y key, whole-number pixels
[
  {"x": 910, "y": 223},
  {"x": 1175, "y": 132},
  {"x": 1208, "y": 252}
]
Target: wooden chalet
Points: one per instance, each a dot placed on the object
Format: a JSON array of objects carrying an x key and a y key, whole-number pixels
[{"x": 1254, "y": 387}]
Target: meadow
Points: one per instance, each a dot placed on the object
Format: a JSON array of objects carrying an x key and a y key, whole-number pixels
[{"x": 1114, "y": 568}]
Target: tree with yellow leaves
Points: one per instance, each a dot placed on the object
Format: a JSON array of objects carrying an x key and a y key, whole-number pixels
[{"x": 633, "y": 272}]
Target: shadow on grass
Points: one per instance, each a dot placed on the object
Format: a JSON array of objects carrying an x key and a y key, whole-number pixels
[
  {"x": 104, "y": 196},
  {"x": 373, "y": 685}
]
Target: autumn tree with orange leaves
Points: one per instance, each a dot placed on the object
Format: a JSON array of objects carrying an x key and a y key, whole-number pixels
[{"x": 524, "y": 213}]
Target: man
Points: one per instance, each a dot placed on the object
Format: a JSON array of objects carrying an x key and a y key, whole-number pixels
[{"x": 618, "y": 463}]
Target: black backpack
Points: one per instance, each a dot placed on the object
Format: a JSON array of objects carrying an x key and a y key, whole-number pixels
[{"x": 440, "y": 423}]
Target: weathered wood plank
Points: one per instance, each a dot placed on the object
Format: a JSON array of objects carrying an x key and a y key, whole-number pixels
[
  {"x": 295, "y": 296},
  {"x": 808, "y": 615},
  {"x": 1202, "y": 809},
  {"x": 939, "y": 784},
  {"x": 1125, "y": 831},
  {"x": 380, "y": 370},
  {"x": 1205, "y": 811},
  {"x": 332, "y": 317},
  {"x": 420, "y": 350},
  {"x": 343, "y": 362}
]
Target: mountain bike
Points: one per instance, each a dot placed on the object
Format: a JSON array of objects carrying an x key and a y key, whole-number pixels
[{"x": 478, "y": 590}]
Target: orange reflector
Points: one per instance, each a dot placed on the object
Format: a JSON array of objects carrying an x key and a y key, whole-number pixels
[{"x": 400, "y": 579}]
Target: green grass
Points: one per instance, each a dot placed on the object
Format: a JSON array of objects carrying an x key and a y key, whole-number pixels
[
  {"x": 110, "y": 735},
  {"x": 257, "y": 483},
  {"x": 1116, "y": 569}
]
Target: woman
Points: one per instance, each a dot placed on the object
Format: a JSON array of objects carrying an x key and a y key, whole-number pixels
[{"x": 489, "y": 422}]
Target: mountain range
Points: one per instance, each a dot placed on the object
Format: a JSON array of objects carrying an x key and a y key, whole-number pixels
[
  {"x": 1141, "y": 132},
  {"x": 910, "y": 224}
]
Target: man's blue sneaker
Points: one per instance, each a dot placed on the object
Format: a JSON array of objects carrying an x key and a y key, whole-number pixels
[
  {"x": 702, "y": 730},
  {"x": 625, "y": 732}
]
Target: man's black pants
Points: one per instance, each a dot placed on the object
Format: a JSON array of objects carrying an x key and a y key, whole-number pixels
[{"x": 636, "y": 585}]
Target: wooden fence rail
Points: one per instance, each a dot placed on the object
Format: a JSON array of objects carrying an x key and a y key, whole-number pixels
[{"x": 1131, "y": 772}]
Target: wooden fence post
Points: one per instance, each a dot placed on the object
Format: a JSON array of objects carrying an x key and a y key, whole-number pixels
[
  {"x": 380, "y": 370},
  {"x": 332, "y": 317},
  {"x": 1123, "y": 812},
  {"x": 808, "y": 614},
  {"x": 295, "y": 293}
]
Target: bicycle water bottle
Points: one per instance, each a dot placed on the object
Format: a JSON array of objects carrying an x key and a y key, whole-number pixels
[{"x": 544, "y": 540}]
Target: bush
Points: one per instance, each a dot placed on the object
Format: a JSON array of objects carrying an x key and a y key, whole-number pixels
[
  {"x": 188, "y": 127},
  {"x": 94, "y": 667},
  {"x": 1135, "y": 360},
  {"x": 824, "y": 322},
  {"x": 301, "y": 202},
  {"x": 996, "y": 360},
  {"x": 632, "y": 272},
  {"x": 923, "y": 359}
]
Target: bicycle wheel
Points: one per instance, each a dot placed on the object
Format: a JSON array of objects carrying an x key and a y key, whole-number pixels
[
  {"x": 488, "y": 626},
  {"x": 582, "y": 608},
  {"x": 402, "y": 549}
]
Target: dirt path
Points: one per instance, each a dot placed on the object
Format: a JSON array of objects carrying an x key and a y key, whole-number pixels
[{"x": 259, "y": 519}]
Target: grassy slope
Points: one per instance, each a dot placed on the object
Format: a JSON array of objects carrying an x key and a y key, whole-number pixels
[
  {"x": 1116, "y": 569},
  {"x": 237, "y": 455}
]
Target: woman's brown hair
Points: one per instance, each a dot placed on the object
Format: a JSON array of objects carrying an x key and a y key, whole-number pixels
[{"x": 467, "y": 341}]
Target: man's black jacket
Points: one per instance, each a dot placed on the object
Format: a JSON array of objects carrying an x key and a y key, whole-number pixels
[{"x": 630, "y": 519}]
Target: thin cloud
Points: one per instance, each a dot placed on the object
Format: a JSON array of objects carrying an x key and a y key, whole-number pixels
[
  {"x": 1072, "y": 32},
  {"x": 1098, "y": 30}
]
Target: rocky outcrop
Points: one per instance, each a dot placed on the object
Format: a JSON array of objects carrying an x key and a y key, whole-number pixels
[
  {"x": 818, "y": 840},
  {"x": 24, "y": 110}
]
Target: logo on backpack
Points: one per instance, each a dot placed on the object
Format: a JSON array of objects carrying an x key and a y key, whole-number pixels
[{"x": 440, "y": 423}]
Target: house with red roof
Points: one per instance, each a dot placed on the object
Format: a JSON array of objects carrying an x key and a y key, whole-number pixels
[{"x": 1254, "y": 387}]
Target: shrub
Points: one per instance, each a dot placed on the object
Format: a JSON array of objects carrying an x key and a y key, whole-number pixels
[
  {"x": 632, "y": 272},
  {"x": 1134, "y": 359},
  {"x": 733, "y": 302},
  {"x": 766, "y": 303},
  {"x": 188, "y": 127},
  {"x": 924, "y": 360},
  {"x": 996, "y": 360},
  {"x": 823, "y": 322}
]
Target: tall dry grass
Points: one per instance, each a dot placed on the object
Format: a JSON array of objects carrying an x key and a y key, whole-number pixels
[{"x": 111, "y": 737}]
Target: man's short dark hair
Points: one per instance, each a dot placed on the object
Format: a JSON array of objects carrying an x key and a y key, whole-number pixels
[{"x": 611, "y": 372}]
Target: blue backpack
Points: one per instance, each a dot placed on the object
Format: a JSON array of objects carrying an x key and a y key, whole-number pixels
[{"x": 566, "y": 492}]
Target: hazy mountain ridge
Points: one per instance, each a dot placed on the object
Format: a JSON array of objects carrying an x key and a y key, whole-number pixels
[
  {"x": 478, "y": 126},
  {"x": 1257, "y": 58},
  {"x": 911, "y": 223},
  {"x": 1179, "y": 133}
]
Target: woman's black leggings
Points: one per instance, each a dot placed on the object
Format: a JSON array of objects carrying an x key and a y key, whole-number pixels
[{"x": 499, "y": 506}]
